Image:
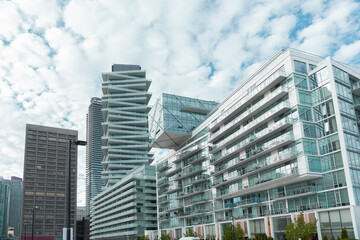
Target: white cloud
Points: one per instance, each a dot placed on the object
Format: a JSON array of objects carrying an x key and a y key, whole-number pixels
[{"x": 52, "y": 56}]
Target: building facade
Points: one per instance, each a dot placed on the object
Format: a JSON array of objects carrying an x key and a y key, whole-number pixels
[
  {"x": 94, "y": 154},
  {"x": 126, "y": 207},
  {"x": 173, "y": 118},
  {"x": 286, "y": 141},
  {"x": 15, "y": 204},
  {"x": 45, "y": 182},
  {"x": 125, "y": 107},
  {"x": 4, "y": 206}
]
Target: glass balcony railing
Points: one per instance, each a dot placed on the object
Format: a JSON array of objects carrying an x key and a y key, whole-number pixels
[
  {"x": 264, "y": 132},
  {"x": 189, "y": 171},
  {"x": 186, "y": 152},
  {"x": 258, "y": 120},
  {"x": 268, "y": 145},
  {"x": 250, "y": 94},
  {"x": 196, "y": 211},
  {"x": 162, "y": 166}
]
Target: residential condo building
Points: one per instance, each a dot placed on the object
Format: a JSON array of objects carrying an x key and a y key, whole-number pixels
[
  {"x": 45, "y": 182},
  {"x": 125, "y": 107},
  {"x": 94, "y": 154},
  {"x": 126, "y": 207},
  {"x": 284, "y": 142}
]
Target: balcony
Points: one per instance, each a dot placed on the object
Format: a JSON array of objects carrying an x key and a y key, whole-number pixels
[
  {"x": 172, "y": 170},
  {"x": 200, "y": 200},
  {"x": 186, "y": 153},
  {"x": 173, "y": 188},
  {"x": 162, "y": 183},
  {"x": 189, "y": 171},
  {"x": 162, "y": 166},
  {"x": 245, "y": 202},
  {"x": 278, "y": 76},
  {"x": 283, "y": 157},
  {"x": 277, "y": 110},
  {"x": 276, "y": 127},
  {"x": 277, "y": 142},
  {"x": 191, "y": 212},
  {"x": 193, "y": 191}
]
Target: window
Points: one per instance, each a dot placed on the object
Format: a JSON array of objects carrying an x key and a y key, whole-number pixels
[
  {"x": 305, "y": 113},
  {"x": 305, "y": 97},
  {"x": 300, "y": 67}
]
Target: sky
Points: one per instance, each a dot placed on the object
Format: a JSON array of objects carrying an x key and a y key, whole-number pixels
[{"x": 52, "y": 53}]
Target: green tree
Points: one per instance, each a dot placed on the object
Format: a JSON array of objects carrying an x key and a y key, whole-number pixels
[
  {"x": 144, "y": 238},
  {"x": 300, "y": 229},
  {"x": 325, "y": 237},
  {"x": 228, "y": 232},
  {"x": 190, "y": 233},
  {"x": 165, "y": 236},
  {"x": 344, "y": 234}
]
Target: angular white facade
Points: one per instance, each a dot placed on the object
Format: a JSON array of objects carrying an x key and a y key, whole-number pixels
[
  {"x": 125, "y": 141},
  {"x": 286, "y": 141}
]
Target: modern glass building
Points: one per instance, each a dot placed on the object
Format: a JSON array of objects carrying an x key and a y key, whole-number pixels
[
  {"x": 126, "y": 207},
  {"x": 94, "y": 154},
  {"x": 286, "y": 141},
  {"x": 125, "y": 107},
  {"x": 4, "y": 206},
  {"x": 15, "y": 204},
  {"x": 173, "y": 118}
]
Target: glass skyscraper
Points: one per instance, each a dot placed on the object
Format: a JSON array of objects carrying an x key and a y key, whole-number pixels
[
  {"x": 94, "y": 155},
  {"x": 15, "y": 204},
  {"x": 4, "y": 207},
  {"x": 286, "y": 141}
]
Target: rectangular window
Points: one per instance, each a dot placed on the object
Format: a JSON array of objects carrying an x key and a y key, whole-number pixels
[
  {"x": 309, "y": 130},
  {"x": 305, "y": 113},
  {"x": 300, "y": 81},
  {"x": 300, "y": 67},
  {"x": 305, "y": 97},
  {"x": 310, "y": 146},
  {"x": 329, "y": 144}
]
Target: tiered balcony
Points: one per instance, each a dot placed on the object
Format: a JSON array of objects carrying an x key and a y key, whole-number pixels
[
  {"x": 252, "y": 111},
  {"x": 189, "y": 171},
  {"x": 193, "y": 191},
  {"x": 162, "y": 166},
  {"x": 173, "y": 188},
  {"x": 163, "y": 182},
  {"x": 280, "y": 125},
  {"x": 187, "y": 153},
  {"x": 245, "y": 202},
  {"x": 263, "y": 184},
  {"x": 172, "y": 170},
  {"x": 277, "y": 142},
  {"x": 284, "y": 157},
  {"x": 195, "y": 212},
  {"x": 272, "y": 80}
]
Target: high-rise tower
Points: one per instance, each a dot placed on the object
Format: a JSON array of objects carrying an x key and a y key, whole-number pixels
[
  {"x": 94, "y": 154},
  {"x": 45, "y": 181},
  {"x": 126, "y": 207},
  {"x": 15, "y": 204},
  {"x": 125, "y": 140}
]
